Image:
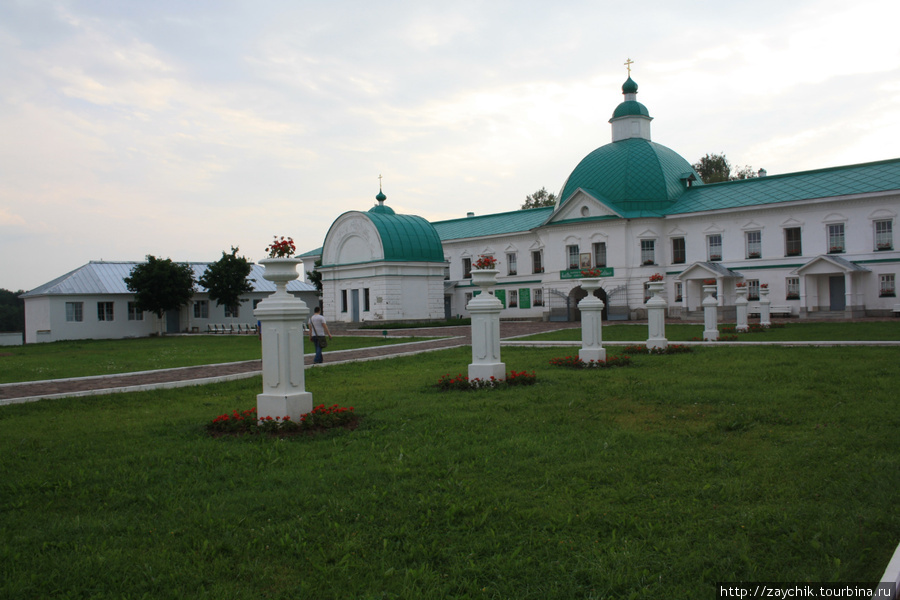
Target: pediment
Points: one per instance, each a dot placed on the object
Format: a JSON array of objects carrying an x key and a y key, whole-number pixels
[
  {"x": 752, "y": 226},
  {"x": 582, "y": 205}
]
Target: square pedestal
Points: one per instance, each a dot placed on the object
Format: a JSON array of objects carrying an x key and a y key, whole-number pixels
[
  {"x": 592, "y": 354},
  {"x": 486, "y": 371},
  {"x": 292, "y": 405}
]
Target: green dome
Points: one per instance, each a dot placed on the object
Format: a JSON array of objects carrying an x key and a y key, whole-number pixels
[
  {"x": 406, "y": 237},
  {"x": 630, "y": 108},
  {"x": 629, "y": 87},
  {"x": 631, "y": 175}
]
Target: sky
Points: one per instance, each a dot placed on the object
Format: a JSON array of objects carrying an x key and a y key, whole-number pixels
[{"x": 180, "y": 129}]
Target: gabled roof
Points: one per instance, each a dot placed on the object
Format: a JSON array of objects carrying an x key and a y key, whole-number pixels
[
  {"x": 496, "y": 224},
  {"x": 702, "y": 270},
  {"x": 840, "y": 263},
  {"x": 806, "y": 185},
  {"x": 102, "y": 278}
]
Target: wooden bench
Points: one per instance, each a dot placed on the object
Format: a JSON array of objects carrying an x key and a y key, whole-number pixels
[{"x": 781, "y": 311}]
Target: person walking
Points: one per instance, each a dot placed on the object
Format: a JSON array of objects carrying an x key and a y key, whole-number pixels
[{"x": 318, "y": 328}]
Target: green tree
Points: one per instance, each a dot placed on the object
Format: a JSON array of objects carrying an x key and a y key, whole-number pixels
[
  {"x": 540, "y": 198},
  {"x": 160, "y": 285},
  {"x": 315, "y": 277},
  {"x": 714, "y": 168},
  {"x": 227, "y": 279},
  {"x": 12, "y": 311}
]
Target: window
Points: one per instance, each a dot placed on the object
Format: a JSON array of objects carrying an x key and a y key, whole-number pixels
[
  {"x": 887, "y": 289},
  {"x": 513, "y": 298},
  {"x": 467, "y": 272},
  {"x": 468, "y": 298},
  {"x": 884, "y": 235},
  {"x": 678, "y": 291},
  {"x": 365, "y": 299},
  {"x": 793, "y": 288},
  {"x": 648, "y": 252},
  {"x": 537, "y": 261},
  {"x": 233, "y": 311},
  {"x": 343, "y": 301},
  {"x": 537, "y": 297},
  {"x": 75, "y": 312},
  {"x": 201, "y": 309},
  {"x": 754, "y": 244},
  {"x": 599, "y": 254},
  {"x": 835, "y": 238},
  {"x": 679, "y": 254},
  {"x": 572, "y": 257},
  {"x": 714, "y": 246},
  {"x": 104, "y": 311},
  {"x": 753, "y": 289},
  {"x": 511, "y": 263},
  {"x": 792, "y": 242},
  {"x": 133, "y": 313}
]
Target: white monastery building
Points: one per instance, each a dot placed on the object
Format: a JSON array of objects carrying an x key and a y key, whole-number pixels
[{"x": 820, "y": 241}]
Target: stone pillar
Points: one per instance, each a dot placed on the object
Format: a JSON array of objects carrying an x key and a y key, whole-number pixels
[
  {"x": 740, "y": 305},
  {"x": 710, "y": 314},
  {"x": 485, "y": 311},
  {"x": 591, "y": 309},
  {"x": 656, "y": 317},
  {"x": 281, "y": 317},
  {"x": 764, "y": 303}
]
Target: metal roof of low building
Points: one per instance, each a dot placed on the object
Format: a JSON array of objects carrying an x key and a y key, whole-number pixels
[
  {"x": 495, "y": 224},
  {"x": 407, "y": 237},
  {"x": 102, "y": 278}
]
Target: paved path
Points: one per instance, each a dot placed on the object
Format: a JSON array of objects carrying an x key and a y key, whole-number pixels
[{"x": 15, "y": 393}]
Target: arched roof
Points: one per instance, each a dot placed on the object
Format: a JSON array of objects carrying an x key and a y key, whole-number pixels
[{"x": 407, "y": 237}]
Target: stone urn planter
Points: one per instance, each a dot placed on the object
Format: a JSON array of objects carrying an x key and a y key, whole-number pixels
[
  {"x": 591, "y": 308},
  {"x": 484, "y": 278},
  {"x": 280, "y": 271},
  {"x": 485, "y": 311}
]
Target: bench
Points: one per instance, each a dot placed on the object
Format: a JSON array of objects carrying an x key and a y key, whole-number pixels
[
  {"x": 781, "y": 311},
  {"x": 896, "y": 310}
]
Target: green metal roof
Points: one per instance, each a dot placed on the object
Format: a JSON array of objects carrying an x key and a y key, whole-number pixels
[
  {"x": 630, "y": 108},
  {"x": 630, "y": 86},
  {"x": 822, "y": 183},
  {"x": 496, "y": 224},
  {"x": 407, "y": 237},
  {"x": 636, "y": 177}
]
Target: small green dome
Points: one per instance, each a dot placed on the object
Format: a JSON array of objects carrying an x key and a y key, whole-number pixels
[
  {"x": 630, "y": 108},
  {"x": 382, "y": 209},
  {"x": 380, "y": 197},
  {"x": 633, "y": 174},
  {"x": 629, "y": 87}
]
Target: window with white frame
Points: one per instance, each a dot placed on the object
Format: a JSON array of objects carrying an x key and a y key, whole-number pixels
[
  {"x": 714, "y": 247},
  {"x": 835, "y": 238},
  {"x": 792, "y": 286},
  {"x": 792, "y": 246},
  {"x": 512, "y": 298},
  {"x": 754, "y": 244},
  {"x": 343, "y": 301},
  {"x": 75, "y": 312},
  {"x": 679, "y": 252},
  {"x": 512, "y": 263},
  {"x": 678, "y": 291},
  {"x": 648, "y": 252},
  {"x": 753, "y": 289},
  {"x": 232, "y": 312},
  {"x": 599, "y": 254},
  {"x": 537, "y": 261},
  {"x": 537, "y": 297},
  {"x": 105, "y": 311},
  {"x": 467, "y": 269},
  {"x": 884, "y": 235},
  {"x": 201, "y": 309},
  {"x": 133, "y": 313},
  {"x": 886, "y": 286},
  {"x": 572, "y": 257}
]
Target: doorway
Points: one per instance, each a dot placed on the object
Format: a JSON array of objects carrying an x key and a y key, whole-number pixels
[{"x": 836, "y": 290}]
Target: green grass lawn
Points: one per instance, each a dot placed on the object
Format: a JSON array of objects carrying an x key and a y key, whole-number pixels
[
  {"x": 651, "y": 481},
  {"x": 802, "y": 331},
  {"x": 79, "y": 358}
]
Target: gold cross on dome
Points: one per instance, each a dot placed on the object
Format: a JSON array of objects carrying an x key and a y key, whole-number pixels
[
  {"x": 628, "y": 64},
  {"x": 379, "y": 181}
]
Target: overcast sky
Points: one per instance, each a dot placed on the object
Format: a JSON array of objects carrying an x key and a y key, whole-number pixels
[{"x": 180, "y": 129}]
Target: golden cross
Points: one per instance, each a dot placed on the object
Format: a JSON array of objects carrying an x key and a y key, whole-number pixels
[
  {"x": 628, "y": 64},
  {"x": 379, "y": 181}
]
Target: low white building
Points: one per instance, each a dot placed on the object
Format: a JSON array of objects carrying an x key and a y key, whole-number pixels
[
  {"x": 93, "y": 302},
  {"x": 821, "y": 241}
]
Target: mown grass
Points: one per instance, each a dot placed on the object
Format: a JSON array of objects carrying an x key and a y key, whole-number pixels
[
  {"x": 651, "y": 481},
  {"x": 79, "y": 358},
  {"x": 801, "y": 331}
]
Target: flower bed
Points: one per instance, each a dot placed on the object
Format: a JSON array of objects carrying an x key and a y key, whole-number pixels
[
  {"x": 321, "y": 418},
  {"x": 573, "y": 362},
  {"x": 670, "y": 349},
  {"x": 461, "y": 382}
]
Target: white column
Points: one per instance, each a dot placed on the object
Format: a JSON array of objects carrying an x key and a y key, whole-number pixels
[
  {"x": 656, "y": 317},
  {"x": 740, "y": 305},
  {"x": 485, "y": 311},
  {"x": 710, "y": 314},
  {"x": 764, "y": 304},
  {"x": 591, "y": 309}
]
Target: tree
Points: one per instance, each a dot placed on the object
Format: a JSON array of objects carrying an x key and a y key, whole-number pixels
[
  {"x": 227, "y": 279},
  {"x": 12, "y": 311},
  {"x": 540, "y": 198},
  {"x": 160, "y": 285},
  {"x": 315, "y": 277},
  {"x": 714, "y": 168}
]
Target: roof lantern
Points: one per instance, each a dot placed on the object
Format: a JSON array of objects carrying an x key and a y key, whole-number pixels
[
  {"x": 381, "y": 208},
  {"x": 631, "y": 119}
]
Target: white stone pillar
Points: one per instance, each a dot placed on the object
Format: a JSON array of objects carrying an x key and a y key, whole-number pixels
[
  {"x": 710, "y": 314},
  {"x": 740, "y": 305},
  {"x": 591, "y": 309},
  {"x": 485, "y": 311},
  {"x": 656, "y": 317},
  {"x": 764, "y": 304},
  {"x": 281, "y": 317}
]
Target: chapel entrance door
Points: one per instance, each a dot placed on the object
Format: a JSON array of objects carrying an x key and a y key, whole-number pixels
[
  {"x": 354, "y": 306},
  {"x": 836, "y": 291}
]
